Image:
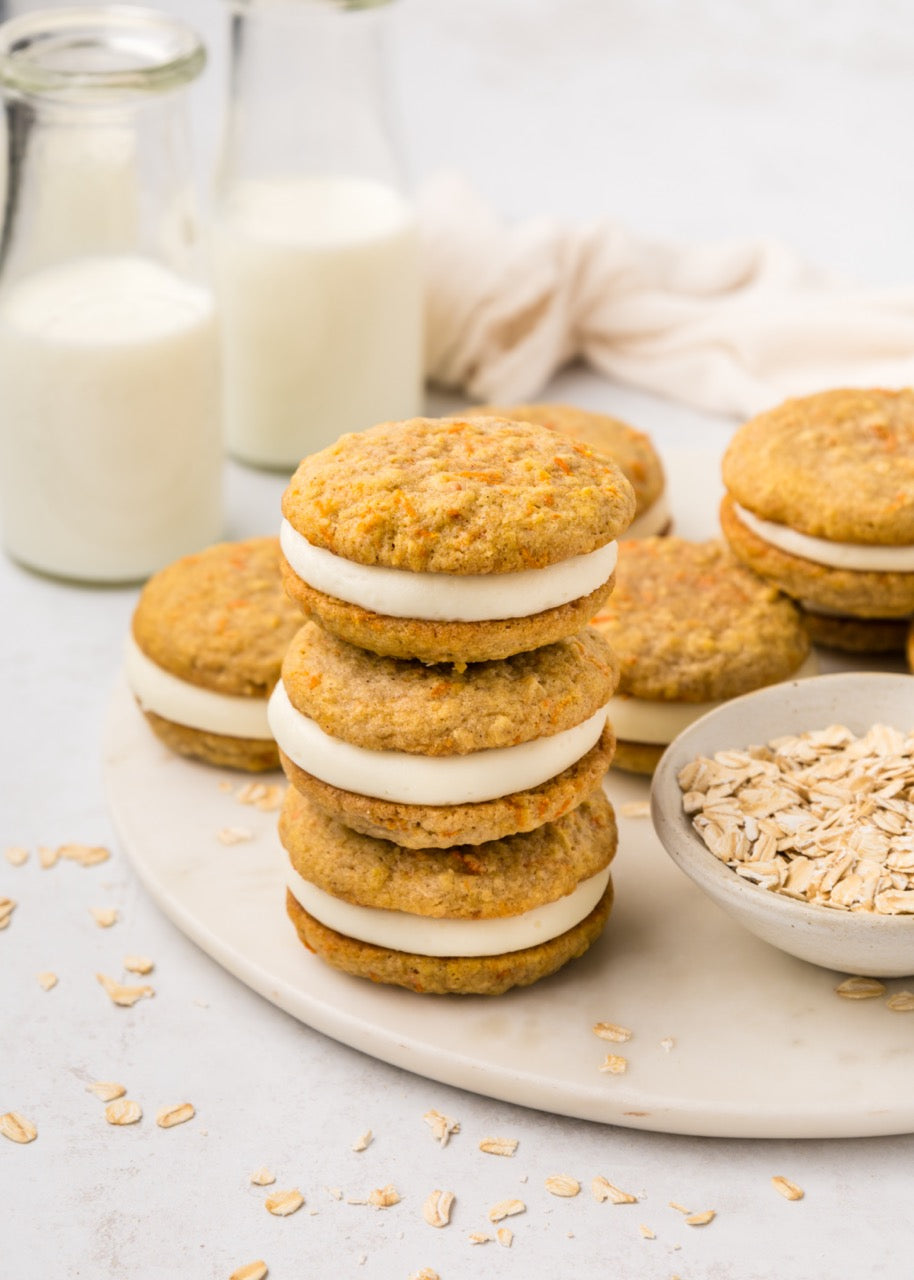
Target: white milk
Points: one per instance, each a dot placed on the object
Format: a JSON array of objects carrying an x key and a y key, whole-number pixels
[
  {"x": 110, "y": 449},
  {"x": 320, "y": 297}
]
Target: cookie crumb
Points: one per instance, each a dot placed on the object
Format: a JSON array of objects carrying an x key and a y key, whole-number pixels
[
  {"x": 282, "y": 1203},
  {"x": 168, "y": 1117},
  {"x": 15, "y": 1127},
  {"x": 123, "y": 1111},
  {"x": 789, "y": 1190}
]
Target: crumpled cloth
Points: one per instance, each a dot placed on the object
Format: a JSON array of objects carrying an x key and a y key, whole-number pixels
[{"x": 731, "y": 327}]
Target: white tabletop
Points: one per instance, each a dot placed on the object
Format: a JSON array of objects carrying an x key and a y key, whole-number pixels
[{"x": 698, "y": 120}]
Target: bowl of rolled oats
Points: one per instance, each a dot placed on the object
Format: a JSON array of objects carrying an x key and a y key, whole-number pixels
[{"x": 793, "y": 808}]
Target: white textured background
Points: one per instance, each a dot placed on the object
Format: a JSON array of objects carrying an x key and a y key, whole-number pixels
[{"x": 696, "y": 119}]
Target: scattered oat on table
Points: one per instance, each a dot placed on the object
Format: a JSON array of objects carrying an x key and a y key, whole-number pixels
[
  {"x": 602, "y": 1189},
  {"x": 7, "y": 907},
  {"x": 425, "y": 1274},
  {"x": 17, "y": 1128},
  {"x": 480, "y": 1237},
  {"x": 121, "y": 995},
  {"x": 646, "y": 1232},
  {"x": 106, "y": 1090},
  {"x": 234, "y": 835},
  {"x": 168, "y": 1117},
  {"x": 823, "y": 817},
  {"x": 499, "y": 1146},
  {"x": 265, "y": 796},
  {"x": 901, "y": 1002},
  {"x": 282, "y": 1203},
  {"x": 615, "y": 1064},
  {"x": 441, "y": 1126},
  {"x": 635, "y": 809},
  {"x": 47, "y": 857},
  {"x": 505, "y": 1237},
  {"x": 789, "y": 1190},
  {"x": 701, "y": 1219},
  {"x": 384, "y": 1197},
  {"x": 138, "y": 964},
  {"x": 16, "y": 854},
  {"x": 123, "y": 1111},
  {"x": 364, "y": 1141},
  {"x": 678, "y": 1207},
  {"x": 506, "y": 1209},
  {"x": 250, "y": 1271},
  {"x": 612, "y": 1031},
  {"x": 47, "y": 979},
  {"x": 87, "y": 855},
  {"x": 667, "y": 1043},
  {"x": 560, "y": 1184},
  {"x": 437, "y": 1208},
  {"x": 860, "y": 988},
  {"x": 335, "y": 1193},
  {"x": 104, "y": 917}
]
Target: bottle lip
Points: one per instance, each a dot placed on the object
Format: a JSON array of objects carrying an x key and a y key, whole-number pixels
[{"x": 92, "y": 52}]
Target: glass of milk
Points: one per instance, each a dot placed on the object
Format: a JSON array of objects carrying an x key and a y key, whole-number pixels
[
  {"x": 316, "y": 252},
  {"x": 110, "y": 385}
]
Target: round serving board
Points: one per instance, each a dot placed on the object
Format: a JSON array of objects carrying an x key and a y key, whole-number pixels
[{"x": 729, "y": 1037}]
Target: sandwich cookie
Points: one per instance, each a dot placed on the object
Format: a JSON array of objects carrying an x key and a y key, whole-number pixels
[
  {"x": 453, "y": 540},
  {"x": 820, "y": 501},
  {"x": 855, "y": 635},
  {"x": 431, "y": 756},
  {"x": 205, "y": 651},
  {"x": 632, "y": 451},
  {"x": 471, "y": 920},
  {"x": 691, "y": 627}
]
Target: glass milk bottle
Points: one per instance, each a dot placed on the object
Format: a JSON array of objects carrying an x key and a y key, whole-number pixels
[
  {"x": 110, "y": 415},
  {"x": 316, "y": 247}
]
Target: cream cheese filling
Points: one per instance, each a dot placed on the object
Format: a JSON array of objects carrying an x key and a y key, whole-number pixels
[
  {"x": 864, "y": 557},
  {"x": 653, "y": 520},
  {"x": 658, "y": 723},
  {"x": 428, "y": 936},
  {"x": 447, "y": 597},
  {"x": 184, "y": 703},
  {"x": 407, "y": 778}
]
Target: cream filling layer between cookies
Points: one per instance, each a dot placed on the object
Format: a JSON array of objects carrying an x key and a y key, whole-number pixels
[
  {"x": 429, "y": 936},
  {"x": 657, "y": 723},
  {"x": 184, "y": 703},
  {"x": 406, "y": 778},
  {"x": 447, "y": 597},
  {"x": 653, "y": 520},
  {"x": 864, "y": 557}
]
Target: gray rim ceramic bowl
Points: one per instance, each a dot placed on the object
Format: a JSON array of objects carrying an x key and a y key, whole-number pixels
[{"x": 850, "y": 942}]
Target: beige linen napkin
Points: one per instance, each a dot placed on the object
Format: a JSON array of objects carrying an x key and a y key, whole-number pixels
[{"x": 729, "y": 327}]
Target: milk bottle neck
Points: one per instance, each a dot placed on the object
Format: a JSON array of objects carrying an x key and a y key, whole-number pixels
[
  {"x": 97, "y": 139},
  {"x": 310, "y": 92}
]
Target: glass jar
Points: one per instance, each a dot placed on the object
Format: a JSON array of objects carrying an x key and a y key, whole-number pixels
[
  {"x": 316, "y": 247},
  {"x": 110, "y": 395}
]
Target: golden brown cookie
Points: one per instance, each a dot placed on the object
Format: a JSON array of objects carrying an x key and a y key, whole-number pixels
[
  {"x": 493, "y": 884},
  {"x": 631, "y": 450},
  {"x": 856, "y": 635},
  {"x": 421, "y": 826},
  {"x": 207, "y": 641},
  {"x": 450, "y": 975},
  {"x": 691, "y": 627},
  {"x": 820, "y": 500},
  {"x": 392, "y": 704},
  {"x": 475, "y": 506}
]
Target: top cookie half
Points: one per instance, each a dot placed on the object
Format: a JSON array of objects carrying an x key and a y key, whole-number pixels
[{"x": 453, "y": 540}]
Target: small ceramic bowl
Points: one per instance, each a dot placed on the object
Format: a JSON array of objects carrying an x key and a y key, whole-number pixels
[{"x": 851, "y": 942}]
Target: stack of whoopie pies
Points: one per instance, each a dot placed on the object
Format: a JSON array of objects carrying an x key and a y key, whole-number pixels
[{"x": 442, "y": 714}]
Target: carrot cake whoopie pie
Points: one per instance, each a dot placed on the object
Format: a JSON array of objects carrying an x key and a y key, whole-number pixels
[
  {"x": 820, "y": 501},
  {"x": 453, "y": 540},
  {"x": 205, "y": 650},
  {"x": 431, "y": 756},
  {"x": 466, "y": 920},
  {"x": 691, "y": 627},
  {"x": 632, "y": 451}
]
